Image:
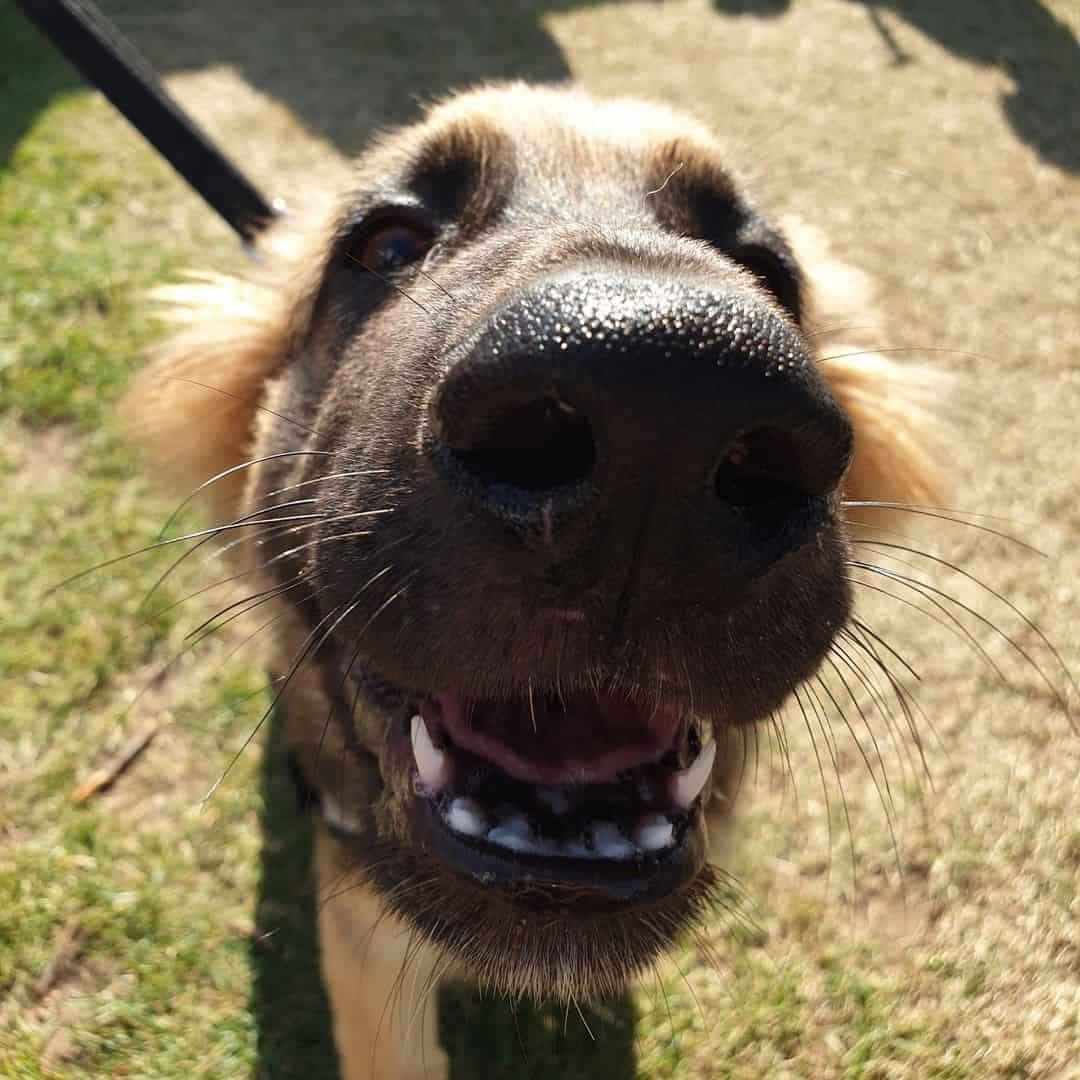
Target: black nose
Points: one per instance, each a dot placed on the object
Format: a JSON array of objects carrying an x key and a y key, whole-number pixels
[{"x": 594, "y": 386}]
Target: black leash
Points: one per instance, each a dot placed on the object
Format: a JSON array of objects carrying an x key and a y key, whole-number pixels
[{"x": 106, "y": 60}]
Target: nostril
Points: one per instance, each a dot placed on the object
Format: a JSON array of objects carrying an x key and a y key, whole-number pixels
[
  {"x": 535, "y": 445},
  {"x": 761, "y": 474}
]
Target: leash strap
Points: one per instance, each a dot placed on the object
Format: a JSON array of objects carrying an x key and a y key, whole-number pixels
[{"x": 109, "y": 62}]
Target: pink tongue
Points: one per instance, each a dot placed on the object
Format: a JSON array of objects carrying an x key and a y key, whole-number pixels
[{"x": 591, "y": 740}]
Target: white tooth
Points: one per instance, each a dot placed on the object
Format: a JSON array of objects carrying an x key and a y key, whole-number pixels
[
  {"x": 686, "y": 786},
  {"x": 516, "y": 823},
  {"x": 609, "y": 843},
  {"x": 513, "y": 833},
  {"x": 576, "y": 849},
  {"x": 510, "y": 840},
  {"x": 654, "y": 832},
  {"x": 466, "y": 816},
  {"x": 432, "y": 765}
]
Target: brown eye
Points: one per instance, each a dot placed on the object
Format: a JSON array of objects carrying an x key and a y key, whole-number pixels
[{"x": 390, "y": 245}]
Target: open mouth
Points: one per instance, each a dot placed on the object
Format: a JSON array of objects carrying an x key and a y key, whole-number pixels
[{"x": 592, "y": 791}]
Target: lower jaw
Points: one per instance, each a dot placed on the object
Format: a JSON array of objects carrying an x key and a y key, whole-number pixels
[
  {"x": 544, "y": 940},
  {"x": 539, "y": 883}
]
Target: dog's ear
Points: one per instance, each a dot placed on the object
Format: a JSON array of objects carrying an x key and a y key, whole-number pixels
[
  {"x": 194, "y": 408},
  {"x": 900, "y": 411}
]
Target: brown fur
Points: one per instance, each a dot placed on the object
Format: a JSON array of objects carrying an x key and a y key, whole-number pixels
[{"x": 216, "y": 394}]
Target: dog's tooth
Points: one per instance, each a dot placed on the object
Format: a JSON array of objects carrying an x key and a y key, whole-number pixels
[
  {"x": 432, "y": 765},
  {"x": 466, "y": 816},
  {"x": 654, "y": 832},
  {"x": 687, "y": 785},
  {"x": 609, "y": 843},
  {"x": 576, "y": 849},
  {"x": 513, "y": 833},
  {"x": 509, "y": 840}
]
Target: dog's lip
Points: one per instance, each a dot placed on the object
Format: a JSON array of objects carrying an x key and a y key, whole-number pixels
[
  {"x": 539, "y": 881},
  {"x": 582, "y": 739}
]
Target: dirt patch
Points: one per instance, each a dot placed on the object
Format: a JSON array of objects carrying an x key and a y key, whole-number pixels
[{"x": 38, "y": 462}]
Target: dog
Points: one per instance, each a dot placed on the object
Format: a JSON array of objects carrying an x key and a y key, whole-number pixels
[{"x": 541, "y": 447}]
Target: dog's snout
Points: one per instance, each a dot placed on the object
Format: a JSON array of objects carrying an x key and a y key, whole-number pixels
[{"x": 592, "y": 387}]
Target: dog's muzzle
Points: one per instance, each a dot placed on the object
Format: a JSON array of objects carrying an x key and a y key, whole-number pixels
[{"x": 630, "y": 445}]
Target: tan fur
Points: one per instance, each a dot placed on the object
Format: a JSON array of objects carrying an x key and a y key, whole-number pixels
[
  {"x": 380, "y": 978},
  {"x": 193, "y": 408}
]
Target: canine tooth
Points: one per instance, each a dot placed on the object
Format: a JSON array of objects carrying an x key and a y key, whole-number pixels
[
  {"x": 432, "y": 765},
  {"x": 654, "y": 832},
  {"x": 687, "y": 785},
  {"x": 466, "y": 816},
  {"x": 609, "y": 843}
]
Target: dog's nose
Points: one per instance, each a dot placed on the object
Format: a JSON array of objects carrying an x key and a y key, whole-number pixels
[{"x": 593, "y": 387}]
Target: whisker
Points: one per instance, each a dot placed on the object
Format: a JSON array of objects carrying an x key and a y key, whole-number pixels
[
  {"x": 887, "y": 804},
  {"x": 862, "y": 676},
  {"x": 864, "y": 639},
  {"x": 206, "y": 540},
  {"x": 322, "y": 479},
  {"x": 230, "y": 472},
  {"x": 214, "y": 531},
  {"x": 954, "y": 626},
  {"x": 821, "y": 773},
  {"x": 1028, "y": 622},
  {"x": 304, "y": 652},
  {"x": 941, "y": 514},
  {"x": 387, "y": 281},
  {"x": 903, "y": 349},
  {"x": 244, "y": 401},
  {"x": 272, "y": 591},
  {"x": 993, "y": 627},
  {"x": 851, "y": 731},
  {"x": 438, "y": 284},
  {"x": 830, "y": 745}
]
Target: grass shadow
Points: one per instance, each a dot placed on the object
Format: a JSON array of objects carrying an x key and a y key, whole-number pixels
[
  {"x": 487, "y": 1038},
  {"x": 32, "y": 75},
  {"x": 492, "y": 1039},
  {"x": 752, "y": 7},
  {"x": 346, "y": 69},
  {"x": 1027, "y": 41},
  {"x": 1021, "y": 37},
  {"x": 288, "y": 1002}
]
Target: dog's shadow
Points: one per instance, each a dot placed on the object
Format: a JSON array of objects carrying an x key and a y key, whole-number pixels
[{"x": 486, "y": 1038}]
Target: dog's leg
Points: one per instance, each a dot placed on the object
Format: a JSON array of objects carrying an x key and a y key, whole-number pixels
[{"x": 379, "y": 976}]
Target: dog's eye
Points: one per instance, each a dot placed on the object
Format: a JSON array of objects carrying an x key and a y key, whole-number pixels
[
  {"x": 773, "y": 271},
  {"x": 390, "y": 244}
]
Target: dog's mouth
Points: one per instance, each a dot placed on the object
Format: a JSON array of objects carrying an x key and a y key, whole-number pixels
[{"x": 594, "y": 791}]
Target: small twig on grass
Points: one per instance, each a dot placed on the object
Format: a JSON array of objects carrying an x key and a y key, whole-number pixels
[
  {"x": 106, "y": 776},
  {"x": 68, "y": 944}
]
